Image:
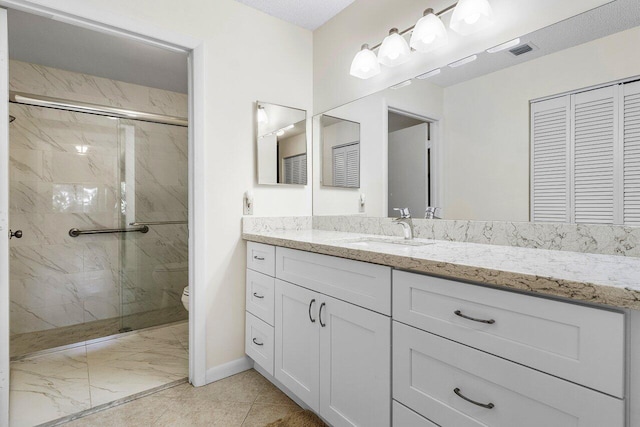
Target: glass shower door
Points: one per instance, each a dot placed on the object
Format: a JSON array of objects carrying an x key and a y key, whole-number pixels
[
  {"x": 154, "y": 190},
  {"x": 64, "y": 174}
]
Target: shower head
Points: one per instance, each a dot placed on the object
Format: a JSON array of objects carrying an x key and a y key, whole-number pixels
[{"x": 11, "y": 119}]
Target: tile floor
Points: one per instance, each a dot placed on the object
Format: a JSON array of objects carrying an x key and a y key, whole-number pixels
[
  {"x": 243, "y": 400},
  {"x": 55, "y": 385}
]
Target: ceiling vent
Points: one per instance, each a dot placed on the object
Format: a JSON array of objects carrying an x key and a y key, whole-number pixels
[{"x": 522, "y": 49}]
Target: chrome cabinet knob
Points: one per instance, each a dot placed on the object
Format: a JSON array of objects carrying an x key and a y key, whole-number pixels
[{"x": 17, "y": 234}]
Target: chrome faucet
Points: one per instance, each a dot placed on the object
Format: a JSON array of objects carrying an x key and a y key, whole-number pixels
[
  {"x": 430, "y": 212},
  {"x": 405, "y": 221}
]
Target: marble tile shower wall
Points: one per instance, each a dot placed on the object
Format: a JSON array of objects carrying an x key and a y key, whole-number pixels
[{"x": 65, "y": 172}]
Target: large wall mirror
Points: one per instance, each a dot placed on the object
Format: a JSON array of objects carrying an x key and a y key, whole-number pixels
[
  {"x": 281, "y": 144},
  {"x": 461, "y": 140}
]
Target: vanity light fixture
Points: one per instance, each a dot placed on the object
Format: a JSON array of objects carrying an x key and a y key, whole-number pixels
[
  {"x": 262, "y": 115},
  {"x": 429, "y": 74},
  {"x": 400, "y": 85},
  {"x": 394, "y": 50},
  {"x": 429, "y": 33},
  {"x": 471, "y": 16},
  {"x": 365, "y": 64},
  {"x": 463, "y": 61},
  {"x": 504, "y": 46}
]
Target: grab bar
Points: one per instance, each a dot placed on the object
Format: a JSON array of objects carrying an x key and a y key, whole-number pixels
[
  {"x": 74, "y": 232},
  {"x": 156, "y": 223}
]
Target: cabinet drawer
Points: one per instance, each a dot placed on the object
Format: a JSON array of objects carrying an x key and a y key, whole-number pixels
[
  {"x": 360, "y": 283},
  {"x": 261, "y": 258},
  {"x": 428, "y": 370},
  {"x": 582, "y": 344},
  {"x": 259, "y": 342},
  {"x": 405, "y": 417},
  {"x": 260, "y": 299}
]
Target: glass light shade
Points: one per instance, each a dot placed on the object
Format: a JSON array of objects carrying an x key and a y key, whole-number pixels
[
  {"x": 262, "y": 115},
  {"x": 429, "y": 33},
  {"x": 365, "y": 64},
  {"x": 394, "y": 50},
  {"x": 471, "y": 16}
]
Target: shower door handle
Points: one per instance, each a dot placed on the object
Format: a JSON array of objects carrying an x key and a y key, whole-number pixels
[{"x": 17, "y": 234}]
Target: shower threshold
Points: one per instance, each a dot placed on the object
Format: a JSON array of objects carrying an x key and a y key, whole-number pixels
[{"x": 34, "y": 342}]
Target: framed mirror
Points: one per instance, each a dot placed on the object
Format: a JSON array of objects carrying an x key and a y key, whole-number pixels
[
  {"x": 478, "y": 152},
  {"x": 281, "y": 144},
  {"x": 340, "y": 140}
]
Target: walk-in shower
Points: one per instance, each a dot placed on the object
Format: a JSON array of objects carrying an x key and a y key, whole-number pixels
[{"x": 99, "y": 194}]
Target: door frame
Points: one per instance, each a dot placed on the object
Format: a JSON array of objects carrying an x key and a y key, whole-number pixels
[
  {"x": 76, "y": 13},
  {"x": 436, "y": 167}
]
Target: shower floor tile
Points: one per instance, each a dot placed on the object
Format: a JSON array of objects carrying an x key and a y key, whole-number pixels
[{"x": 58, "y": 384}]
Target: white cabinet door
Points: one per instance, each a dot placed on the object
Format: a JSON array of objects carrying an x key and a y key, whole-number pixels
[
  {"x": 355, "y": 359},
  {"x": 297, "y": 341}
]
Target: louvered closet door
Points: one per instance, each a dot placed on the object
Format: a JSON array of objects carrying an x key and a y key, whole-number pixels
[
  {"x": 595, "y": 129},
  {"x": 550, "y": 165},
  {"x": 631, "y": 140},
  {"x": 353, "y": 165},
  {"x": 339, "y": 167}
]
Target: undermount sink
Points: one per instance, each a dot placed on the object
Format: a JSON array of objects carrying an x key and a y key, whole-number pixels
[{"x": 374, "y": 241}]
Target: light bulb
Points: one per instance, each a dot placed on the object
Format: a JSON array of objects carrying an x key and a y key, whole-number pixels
[
  {"x": 429, "y": 33},
  {"x": 365, "y": 64},
  {"x": 394, "y": 50},
  {"x": 470, "y": 16}
]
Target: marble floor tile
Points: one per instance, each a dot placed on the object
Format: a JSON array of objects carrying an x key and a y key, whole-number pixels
[
  {"x": 135, "y": 363},
  {"x": 244, "y": 387},
  {"x": 48, "y": 387},
  {"x": 227, "y": 403},
  {"x": 260, "y": 414},
  {"x": 203, "y": 413},
  {"x": 62, "y": 383},
  {"x": 145, "y": 411},
  {"x": 271, "y": 395}
]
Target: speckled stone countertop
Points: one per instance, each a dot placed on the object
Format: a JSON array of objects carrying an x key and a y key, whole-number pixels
[{"x": 601, "y": 279}]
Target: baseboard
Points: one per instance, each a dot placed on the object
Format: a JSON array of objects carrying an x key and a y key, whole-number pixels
[{"x": 226, "y": 370}]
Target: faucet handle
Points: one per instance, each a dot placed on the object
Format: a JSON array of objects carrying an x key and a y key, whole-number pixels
[
  {"x": 430, "y": 212},
  {"x": 404, "y": 212}
]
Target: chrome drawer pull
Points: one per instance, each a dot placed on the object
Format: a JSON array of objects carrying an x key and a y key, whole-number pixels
[
  {"x": 310, "y": 304},
  {"x": 258, "y": 296},
  {"x": 257, "y": 343},
  {"x": 320, "y": 315},
  {"x": 459, "y": 394},
  {"x": 459, "y": 313},
  {"x": 258, "y": 258}
]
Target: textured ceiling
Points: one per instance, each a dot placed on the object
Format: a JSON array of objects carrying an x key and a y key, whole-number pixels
[{"x": 309, "y": 14}]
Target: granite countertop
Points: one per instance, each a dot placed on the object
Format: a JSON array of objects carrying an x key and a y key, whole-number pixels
[{"x": 602, "y": 279}]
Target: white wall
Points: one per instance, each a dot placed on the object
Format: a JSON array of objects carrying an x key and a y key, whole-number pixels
[
  {"x": 237, "y": 41},
  {"x": 486, "y": 127},
  {"x": 267, "y": 159},
  {"x": 408, "y": 170},
  {"x": 368, "y": 21},
  {"x": 421, "y": 98}
]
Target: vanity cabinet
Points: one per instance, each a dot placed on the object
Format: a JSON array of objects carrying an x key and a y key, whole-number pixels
[
  {"x": 333, "y": 355},
  {"x": 461, "y": 354}
]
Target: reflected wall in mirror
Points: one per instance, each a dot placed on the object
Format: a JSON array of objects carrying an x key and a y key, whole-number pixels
[
  {"x": 479, "y": 115},
  {"x": 340, "y": 140},
  {"x": 281, "y": 144}
]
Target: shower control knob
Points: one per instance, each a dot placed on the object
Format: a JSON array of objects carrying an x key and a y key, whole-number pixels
[{"x": 17, "y": 234}]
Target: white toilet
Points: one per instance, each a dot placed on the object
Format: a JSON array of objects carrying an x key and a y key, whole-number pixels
[{"x": 185, "y": 298}]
